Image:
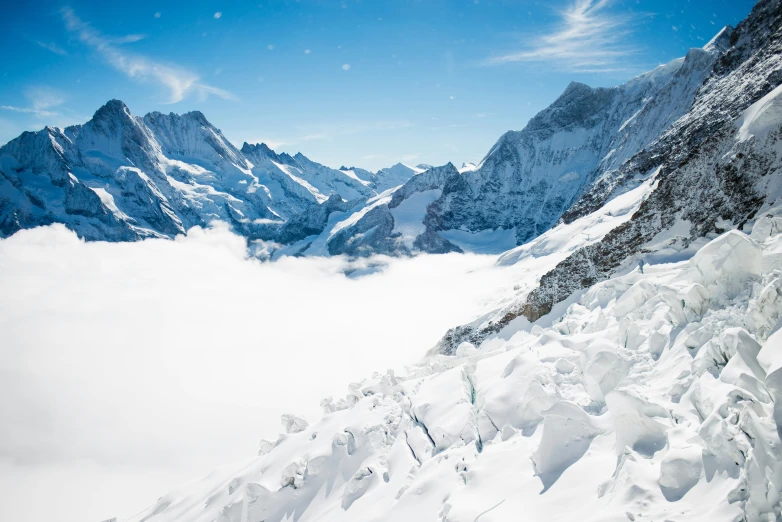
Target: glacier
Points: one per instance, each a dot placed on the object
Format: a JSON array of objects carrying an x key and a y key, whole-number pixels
[{"x": 651, "y": 396}]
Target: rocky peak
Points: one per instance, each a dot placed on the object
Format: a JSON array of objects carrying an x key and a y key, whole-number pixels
[
  {"x": 259, "y": 149},
  {"x": 112, "y": 109},
  {"x": 578, "y": 105},
  {"x": 197, "y": 116},
  {"x": 721, "y": 41},
  {"x": 111, "y": 118}
]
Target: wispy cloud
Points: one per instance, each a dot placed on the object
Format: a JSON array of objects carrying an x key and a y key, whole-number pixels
[
  {"x": 178, "y": 81},
  {"x": 26, "y": 110},
  {"x": 42, "y": 97},
  {"x": 128, "y": 38},
  {"x": 41, "y": 102},
  {"x": 50, "y": 46},
  {"x": 588, "y": 39}
]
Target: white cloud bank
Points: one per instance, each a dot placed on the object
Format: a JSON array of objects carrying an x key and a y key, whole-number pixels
[
  {"x": 126, "y": 368},
  {"x": 588, "y": 39}
]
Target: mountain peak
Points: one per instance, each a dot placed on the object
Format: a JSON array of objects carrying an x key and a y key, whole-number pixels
[
  {"x": 197, "y": 116},
  {"x": 259, "y": 149},
  {"x": 574, "y": 87},
  {"x": 113, "y": 108},
  {"x": 721, "y": 41}
]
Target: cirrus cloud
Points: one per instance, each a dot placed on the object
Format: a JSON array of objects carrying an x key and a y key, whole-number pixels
[
  {"x": 587, "y": 39},
  {"x": 178, "y": 81}
]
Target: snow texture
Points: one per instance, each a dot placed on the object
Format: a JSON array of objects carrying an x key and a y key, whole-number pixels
[{"x": 653, "y": 396}]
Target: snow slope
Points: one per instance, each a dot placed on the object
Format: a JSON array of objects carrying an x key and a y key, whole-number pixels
[
  {"x": 712, "y": 176},
  {"x": 650, "y": 397}
]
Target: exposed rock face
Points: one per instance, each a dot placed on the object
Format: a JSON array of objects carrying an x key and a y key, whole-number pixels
[
  {"x": 531, "y": 177},
  {"x": 708, "y": 173},
  {"x": 312, "y": 221},
  {"x": 373, "y": 234},
  {"x": 716, "y": 167}
]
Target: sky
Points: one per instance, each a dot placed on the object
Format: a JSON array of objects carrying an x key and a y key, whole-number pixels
[
  {"x": 113, "y": 392},
  {"x": 362, "y": 83}
]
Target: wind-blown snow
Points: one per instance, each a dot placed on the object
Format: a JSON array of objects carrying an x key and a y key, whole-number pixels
[{"x": 129, "y": 368}]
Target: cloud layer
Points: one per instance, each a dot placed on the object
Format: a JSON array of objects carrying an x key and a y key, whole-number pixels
[
  {"x": 588, "y": 39},
  {"x": 131, "y": 366},
  {"x": 179, "y": 82}
]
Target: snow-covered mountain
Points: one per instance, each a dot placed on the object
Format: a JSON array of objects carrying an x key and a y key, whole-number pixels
[
  {"x": 122, "y": 178},
  {"x": 530, "y": 178},
  {"x": 715, "y": 168},
  {"x": 599, "y": 387}
]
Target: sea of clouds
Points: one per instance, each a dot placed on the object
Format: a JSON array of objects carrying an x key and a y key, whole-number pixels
[{"x": 129, "y": 368}]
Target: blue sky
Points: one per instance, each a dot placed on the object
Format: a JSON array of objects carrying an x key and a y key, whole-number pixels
[{"x": 365, "y": 83}]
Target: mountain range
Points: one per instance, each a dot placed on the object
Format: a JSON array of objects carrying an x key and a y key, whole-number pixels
[
  {"x": 634, "y": 373},
  {"x": 119, "y": 177}
]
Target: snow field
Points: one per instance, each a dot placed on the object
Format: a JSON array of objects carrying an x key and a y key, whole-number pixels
[{"x": 652, "y": 397}]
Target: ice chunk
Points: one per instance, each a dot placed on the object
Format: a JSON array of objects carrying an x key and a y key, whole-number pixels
[
  {"x": 357, "y": 486},
  {"x": 293, "y": 424},
  {"x": 443, "y": 406},
  {"x": 603, "y": 372},
  {"x": 564, "y": 366},
  {"x": 680, "y": 470},
  {"x": 770, "y": 358},
  {"x": 466, "y": 349},
  {"x": 567, "y": 433},
  {"x": 765, "y": 227},
  {"x": 725, "y": 264},
  {"x": 265, "y": 447},
  {"x": 695, "y": 297},
  {"x": 634, "y": 428},
  {"x": 293, "y": 474},
  {"x": 743, "y": 351},
  {"x": 634, "y": 297}
]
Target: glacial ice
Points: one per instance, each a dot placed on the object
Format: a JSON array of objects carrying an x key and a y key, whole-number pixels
[{"x": 652, "y": 396}]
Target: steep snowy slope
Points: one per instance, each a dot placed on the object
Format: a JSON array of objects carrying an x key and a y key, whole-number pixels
[
  {"x": 531, "y": 177},
  {"x": 716, "y": 168},
  {"x": 651, "y": 397},
  {"x": 120, "y": 178}
]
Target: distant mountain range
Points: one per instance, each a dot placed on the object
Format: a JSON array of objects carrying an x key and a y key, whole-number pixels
[{"x": 121, "y": 178}]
